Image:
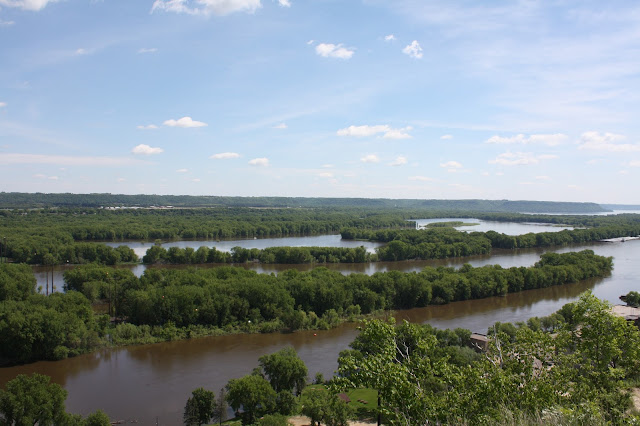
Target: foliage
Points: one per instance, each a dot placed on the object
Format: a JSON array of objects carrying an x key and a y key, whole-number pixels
[
  {"x": 200, "y": 407},
  {"x": 220, "y": 409},
  {"x": 576, "y": 372},
  {"x": 274, "y": 420},
  {"x": 254, "y": 395},
  {"x": 30, "y": 400},
  {"x": 285, "y": 370},
  {"x": 320, "y": 405},
  {"x": 99, "y": 418},
  {"x": 632, "y": 299}
]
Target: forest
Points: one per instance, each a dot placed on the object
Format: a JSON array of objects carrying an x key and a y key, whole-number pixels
[
  {"x": 77, "y": 235},
  {"x": 169, "y": 304}
]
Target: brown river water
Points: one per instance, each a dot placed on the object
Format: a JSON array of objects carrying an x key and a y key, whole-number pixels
[{"x": 149, "y": 382}]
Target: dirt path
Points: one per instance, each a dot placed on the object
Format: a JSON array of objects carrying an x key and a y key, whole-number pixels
[{"x": 305, "y": 421}]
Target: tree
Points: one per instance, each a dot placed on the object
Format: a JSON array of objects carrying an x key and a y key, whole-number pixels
[
  {"x": 220, "y": 411},
  {"x": 31, "y": 400},
  {"x": 254, "y": 394},
  {"x": 285, "y": 370},
  {"x": 200, "y": 407},
  {"x": 99, "y": 418},
  {"x": 320, "y": 405}
]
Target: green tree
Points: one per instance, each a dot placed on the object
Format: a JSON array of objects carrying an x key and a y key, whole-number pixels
[
  {"x": 31, "y": 400},
  {"x": 285, "y": 370},
  {"x": 254, "y": 395},
  {"x": 99, "y": 418},
  {"x": 200, "y": 407},
  {"x": 220, "y": 410}
]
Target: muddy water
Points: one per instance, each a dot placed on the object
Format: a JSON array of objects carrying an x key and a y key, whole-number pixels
[{"x": 144, "y": 382}]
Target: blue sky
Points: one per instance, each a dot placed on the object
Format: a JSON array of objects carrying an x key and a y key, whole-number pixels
[{"x": 446, "y": 99}]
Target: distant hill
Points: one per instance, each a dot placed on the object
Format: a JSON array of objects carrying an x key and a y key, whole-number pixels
[
  {"x": 12, "y": 200},
  {"x": 621, "y": 206}
]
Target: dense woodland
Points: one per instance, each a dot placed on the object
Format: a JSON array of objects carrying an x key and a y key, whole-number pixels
[
  {"x": 167, "y": 304},
  {"x": 61, "y": 236}
]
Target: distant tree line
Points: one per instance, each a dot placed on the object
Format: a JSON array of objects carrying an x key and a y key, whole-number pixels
[
  {"x": 16, "y": 200},
  {"x": 440, "y": 243}
]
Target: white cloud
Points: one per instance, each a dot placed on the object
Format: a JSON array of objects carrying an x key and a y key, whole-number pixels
[
  {"x": 370, "y": 158},
  {"x": 259, "y": 162},
  {"x": 206, "y": 7},
  {"x": 310, "y": 42},
  {"x": 421, "y": 178},
  {"x": 520, "y": 158},
  {"x": 609, "y": 142},
  {"x": 389, "y": 133},
  {"x": 543, "y": 178},
  {"x": 543, "y": 139},
  {"x": 184, "y": 122},
  {"x": 225, "y": 155},
  {"x": 634, "y": 163},
  {"x": 446, "y": 137},
  {"x": 82, "y": 51},
  {"x": 390, "y": 37},
  {"x": 62, "y": 160},
  {"x": 360, "y": 131},
  {"x": 6, "y": 23},
  {"x": 325, "y": 175},
  {"x": 34, "y": 5},
  {"x": 143, "y": 149},
  {"x": 53, "y": 178},
  {"x": 327, "y": 166},
  {"x": 148, "y": 50},
  {"x": 3, "y": 104},
  {"x": 451, "y": 165},
  {"x": 121, "y": 180},
  {"x": 280, "y": 126},
  {"x": 284, "y": 3},
  {"x": 147, "y": 127},
  {"x": 413, "y": 50},
  {"x": 195, "y": 180},
  {"x": 182, "y": 170},
  {"x": 398, "y": 133},
  {"x": 328, "y": 50},
  {"x": 399, "y": 161}
]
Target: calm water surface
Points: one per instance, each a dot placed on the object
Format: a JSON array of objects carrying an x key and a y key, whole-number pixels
[
  {"x": 142, "y": 382},
  {"x": 141, "y": 247}
]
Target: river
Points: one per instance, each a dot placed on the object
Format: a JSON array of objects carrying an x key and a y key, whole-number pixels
[{"x": 144, "y": 382}]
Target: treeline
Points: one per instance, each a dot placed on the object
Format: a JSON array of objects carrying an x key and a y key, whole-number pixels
[
  {"x": 30, "y": 236},
  {"x": 269, "y": 255},
  {"x": 37, "y": 327},
  {"x": 442, "y": 243},
  {"x": 234, "y": 298},
  {"x": 16, "y": 200}
]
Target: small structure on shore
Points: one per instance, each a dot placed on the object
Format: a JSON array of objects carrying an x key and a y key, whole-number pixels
[
  {"x": 629, "y": 313},
  {"x": 479, "y": 341}
]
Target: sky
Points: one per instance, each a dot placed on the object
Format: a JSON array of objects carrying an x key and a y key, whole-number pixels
[{"x": 420, "y": 99}]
